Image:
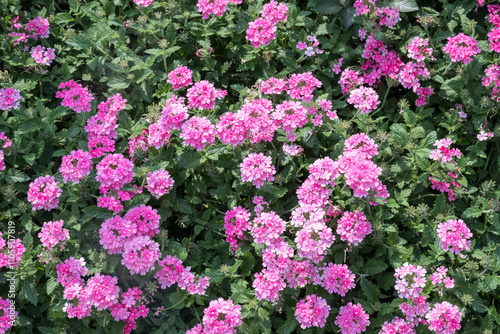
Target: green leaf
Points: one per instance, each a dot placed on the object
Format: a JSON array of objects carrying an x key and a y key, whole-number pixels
[
  {"x": 346, "y": 16},
  {"x": 263, "y": 320},
  {"x": 328, "y": 6},
  {"x": 177, "y": 300},
  {"x": 79, "y": 42},
  {"x": 14, "y": 176},
  {"x": 30, "y": 126},
  {"x": 288, "y": 326},
  {"x": 371, "y": 291},
  {"x": 119, "y": 83},
  {"x": 374, "y": 266},
  {"x": 472, "y": 212},
  {"x": 47, "y": 330},
  {"x": 63, "y": 18},
  {"x": 190, "y": 159},
  {"x": 450, "y": 89},
  {"x": 51, "y": 285},
  {"x": 400, "y": 135},
  {"x": 404, "y": 6},
  {"x": 29, "y": 292},
  {"x": 439, "y": 205}
]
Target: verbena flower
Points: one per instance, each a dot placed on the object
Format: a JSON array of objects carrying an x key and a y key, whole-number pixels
[
  {"x": 312, "y": 312},
  {"x": 461, "y": 48},
  {"x": 9, "y": 98},
  {"x": 44, "y": 193},
  {"x": 454, "y": 235},
  {"x": 352, "y": 319}
]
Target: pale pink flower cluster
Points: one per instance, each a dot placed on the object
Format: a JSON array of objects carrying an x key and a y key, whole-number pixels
[
  {"x": 267, "y": 228},
  {"x": 337, "y": 278},
  {"x": 494, "y": 34},
  {"x": 257, "y": 168},
  {"x": 353, "y": 227},
  {"x": 221, "y": 316},
  {"x": 172, "y": 118},
  {"x": 388, "y": 16},
  {"x": 310, "y": 47},
  {"x": 157, "y": 137},
  {"x": 43, "y": 56},
  {"x": 114, "y": 171},
  {"x": 44, "y": 193},
  {"x": 443, "y": 153},
  {"x": 263, "y": 30},
  {"x": 101, "y": 128},
  {"x": 75, "y": 96},
  {"x": 202, "y": 95},
  {"x": 349, "y": 80},
  {"x": 290, "y": 115},
  {"x": 9, "y": 98},
  {"x": 360, "y": 171},
  {"x": 236, "y": 222},
  {"x": 11, "y": 251},
  {"x": 8, "y": 313},
  {"x": 159, "y": 183},
  {"x": 410, "y": 280},
  {"x": 444, "y": 318},
  {"x": 364, "y": 98},
  {"x": 292, "y": 150},
  {"x": 198, "y": 132},
  {"x": 143, "y": 3},
  {"x": 180, "y": 77},
  {"x": 233, "y": 128},
  {"x": 313, "y": 240},
  {"x": 418, "y": 49},
  {"x": 415, "y": 310},
  {"x": 268, "y": 284},
  {"x": 439, "y": 278},
  {"x": 352, "y": 319},
  {"x": 454, "y": 235},
  {"x": 461, "y": 48},
  {"x": 312, "y": 312},
  {"x": 484, "y": 135},
  {"x": 131, "y": 236},
  {"x": 52, "y": 233},
  {"x": 75, "y": 166},
  {"x": 397, "y": 326},
  {"x": 172, "y": 271}
]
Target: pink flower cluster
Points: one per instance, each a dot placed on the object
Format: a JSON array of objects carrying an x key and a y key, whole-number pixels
[
  {"x": 352, "y": 319},
  {"x": 75, "y": 166},
  {"x": 143, "y": 3},
  {"x": 159, "y": 183},
  {"x": 415, "y": 310},
  {"x": 444, "y": 318},
  {"x": 236, "y": 222},
  {"x": 443, "y": 153},
  {"x": 101, "y": 128},
  {"x": 446, "y": 187},
  {"x": 180, "y": 77},
  {"x": 44, "y": 193},
  {"x": 263, "y": 30},
  {"x": 364, "y": 98},
  {"x": 494, "y": 34},
  {"x": 11, "y": 251},
  {"x": 53, "y": 233},
  {"x": 461, "y": 48},
  {"x": 454, "y": 235},
  {"x": 492, "y": 75},
  {"x": 74, "y": 96},
  {"x": 202, "y": 95},
  {"x": 216, "y": 7},
  {"x": 257, "y": 168},
  {"x": 221, "y": 316},
  {"x": 6, "y": 144},
  {"x": 114, "y": 171},
  {"x": 397, "y": 326},
  {"x": 8, "y": 314},
  {"x": 301, "y": 86},
  {"x": 312, "y": 311},
  {"x": 439, "y": 278},
  {"x": 131, "y": 236},
  {"x": 172, "y": 271},
  {"x": 418, "y": 49},
  {"x": 138, "y": 144},
  {"x": 337, "y": 278},
  {"x": 35, "y": 28},
  {"x": 410, "y": 281},
  {"x": 43, "y": 56},
  {"x": 9, "y": 98},
  {"x": 388, "y": 16},
  {"x": 198, "y": 132},
  {"x": 353, "y": 227}
]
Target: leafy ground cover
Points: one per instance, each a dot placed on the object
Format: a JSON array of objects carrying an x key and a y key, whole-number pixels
[{"x": 249, "y": 166}]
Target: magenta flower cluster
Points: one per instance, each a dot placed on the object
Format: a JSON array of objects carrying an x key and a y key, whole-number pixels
[
  {"x": 9, "y": 98},
  {"x": 172, "y": 271},
  {"x": 312, "y": 312},
  {"x": 454, "y": 235},
  {"x": 257, "y": 168},
  {"x": 44, "y": 193},
  {"x": 461, "y": 48},
  {"x": 75, "y": 96},
  {"x": 263, "y": 30}
]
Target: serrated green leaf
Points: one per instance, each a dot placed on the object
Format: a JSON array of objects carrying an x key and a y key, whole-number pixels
[
  {"x": 96, "y": 212},
  {"x": 79, "y": 42},
  {"x": 400, "y": 135},
  {"x": 288, "y": 326},
  {"x": 13, "y": 175},
  {"x": 346, "y": 16},
  {"x": 472, "y": 212},
  {"x": 51, "y": 285},
  {"x": 118, "y": 83},
  {"x": 29, "y": 292},
  {"x": 404, "y": 6},
  {"x": 177, "y": 300},
  {"x": 370, "y": 290},
  {"x": 373, "y": 267}
]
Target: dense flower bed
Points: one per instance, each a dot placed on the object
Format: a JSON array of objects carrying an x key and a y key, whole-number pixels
[{"x": 249, "y": 167}]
